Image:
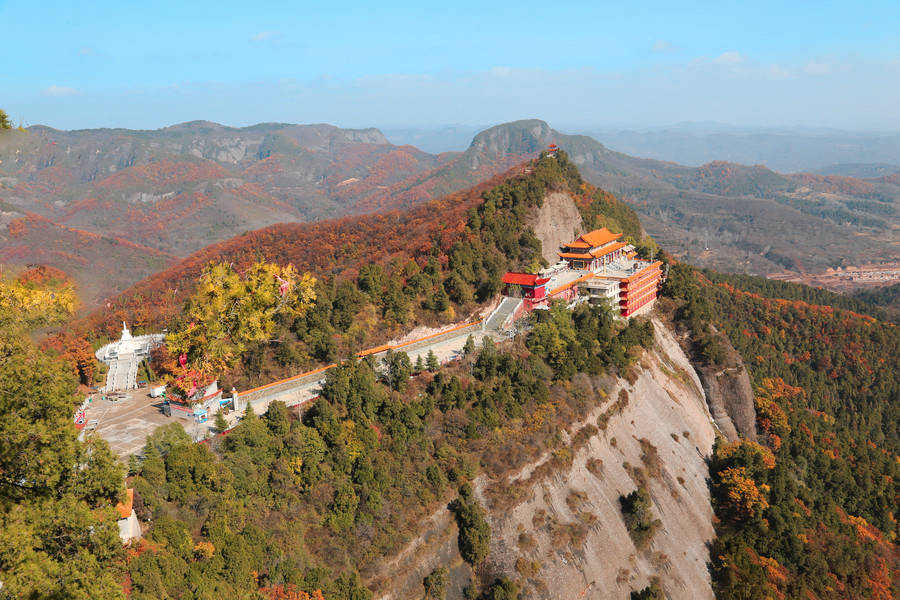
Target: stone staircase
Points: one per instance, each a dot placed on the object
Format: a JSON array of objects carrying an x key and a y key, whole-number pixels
[{"x": 504, "y": 310}]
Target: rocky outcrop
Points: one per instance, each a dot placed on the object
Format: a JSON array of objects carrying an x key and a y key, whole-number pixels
[
  {"x": 564, "y": 535},
  {"x": 730, "y": 395},
  {"x": 556, "y": 222},
  {"x": 519, "y": 138}
]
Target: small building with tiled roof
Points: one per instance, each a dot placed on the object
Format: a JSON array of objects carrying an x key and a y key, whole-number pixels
[
  {"x": 525, "y": 285},
  {"x": 129, "y": 527}
]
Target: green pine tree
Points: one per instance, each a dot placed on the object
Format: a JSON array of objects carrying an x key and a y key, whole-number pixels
[
  {"x": 432, "y": 361},
  {"x": 436, "y": 584},
  {"x": 474, "y": 538},
  {"x": 221, "y": 423},
  {"x": 469, "y": 348}
]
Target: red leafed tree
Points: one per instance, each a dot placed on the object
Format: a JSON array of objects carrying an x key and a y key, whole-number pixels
[{"x": 289, "y": 592}]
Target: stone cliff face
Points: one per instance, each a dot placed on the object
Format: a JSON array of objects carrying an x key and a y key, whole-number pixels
[
  {"x": 730, "y": 395},
  {"x": 730, "y": 401},
  {"x": 556, "y": 222},
  {"x": 564, "y": 535}
]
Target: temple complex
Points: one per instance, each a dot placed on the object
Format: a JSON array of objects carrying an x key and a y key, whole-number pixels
[{"x": 596, "y": 267}]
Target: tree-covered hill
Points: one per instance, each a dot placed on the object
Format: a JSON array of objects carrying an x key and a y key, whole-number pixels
[
  {"x": 324, "y": 501},
  {"x": 58, "y": 533},
  {"x": 813, "y": 511},
  {"x": 288, "y": 505},
  {"x": 864, "y": 302},
  {"x": 379, "y": 275},
  {"x": 887, "y": 297},
  {"x": 283, "y": 505}
]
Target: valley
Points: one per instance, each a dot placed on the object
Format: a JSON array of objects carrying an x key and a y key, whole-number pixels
[{"x": 847, "y": 279}]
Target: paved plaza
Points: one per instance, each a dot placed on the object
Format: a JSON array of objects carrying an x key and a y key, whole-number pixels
[{"x": 126, "y": 423}]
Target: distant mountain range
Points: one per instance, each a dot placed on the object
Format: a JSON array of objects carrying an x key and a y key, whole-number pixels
[
  {"x": 734, "y": 217},
  {"x": 787, "y": 150},
  {"x": 826, "y": 152},
  {"x": 178, "y": 189},
  {"x": 153, "y": 196}
]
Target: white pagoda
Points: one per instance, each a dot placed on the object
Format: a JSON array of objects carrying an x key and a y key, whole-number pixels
[{"x": 125, "y": 356}]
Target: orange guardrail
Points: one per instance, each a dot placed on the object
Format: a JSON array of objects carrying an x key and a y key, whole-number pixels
[
  {"x": 566, "y": 286},
  {"x": 374, "y": 350},
  {"x": 288, "y": 380},
  {"x": 362, "y": 354},
  {"x": 434, "y": 335}
]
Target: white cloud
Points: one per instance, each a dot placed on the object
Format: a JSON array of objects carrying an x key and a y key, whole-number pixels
[
  {"x": 663, "y": 46},
  {"x": 262, "y": 36},
  {"x": 59, "y": 90},
  {"x": 779, "y": 72},
  {"x": 818, "y": 68},
  {"x": 731, "y": 58}
]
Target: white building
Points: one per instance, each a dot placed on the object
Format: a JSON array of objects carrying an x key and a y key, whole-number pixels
[
  {"x": 129, "y": 526},
  {"x": 125, "y": 356},
  {"x": 598, "y": 290}
]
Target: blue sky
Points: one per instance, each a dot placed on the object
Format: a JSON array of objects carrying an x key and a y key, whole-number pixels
[{"x": 151, "y": 64}]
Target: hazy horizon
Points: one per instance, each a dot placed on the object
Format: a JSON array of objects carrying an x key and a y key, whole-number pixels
[{"x": 690, "y": 127}]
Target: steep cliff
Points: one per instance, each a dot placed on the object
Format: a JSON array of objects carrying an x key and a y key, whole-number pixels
[
  {"x": 557, "y": 524},
  {"x": 556, "y": 222},
  {"x": 729, "y": 393}
]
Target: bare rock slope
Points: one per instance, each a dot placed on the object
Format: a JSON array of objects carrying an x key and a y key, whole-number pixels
[
  {"x": 729, "y": 394},
  {"x": 556, "y": 222},
  {"x": 566, "y": 537}
]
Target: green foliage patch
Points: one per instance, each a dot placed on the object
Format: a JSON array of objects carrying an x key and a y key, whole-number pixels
[{"x": 811, "y": 512}]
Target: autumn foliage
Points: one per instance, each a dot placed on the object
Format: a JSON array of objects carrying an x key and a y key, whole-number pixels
[
  {"x": 812, "y": 513},
  {"x": 337, "y": 247},
  {"x": 289, "y": 592}
]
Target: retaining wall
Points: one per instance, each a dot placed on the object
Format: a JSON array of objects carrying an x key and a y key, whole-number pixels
[{"x": 275, "y": 390}]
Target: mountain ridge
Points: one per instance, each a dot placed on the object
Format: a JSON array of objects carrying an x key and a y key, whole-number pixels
[{"x": 182, "y": 187}]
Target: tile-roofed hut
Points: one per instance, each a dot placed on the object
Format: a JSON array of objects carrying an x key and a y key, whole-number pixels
[{"x": 525, "y": 285}]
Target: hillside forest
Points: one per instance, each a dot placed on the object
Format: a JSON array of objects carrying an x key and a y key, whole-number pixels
[
  {"x": 811, "y": 510},
  {"x": 284, "y": 506},
  {"x": 377, "y": 276}
]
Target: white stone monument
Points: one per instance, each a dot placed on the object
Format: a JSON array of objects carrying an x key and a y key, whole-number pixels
[{"x": 125, "y": 356}]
